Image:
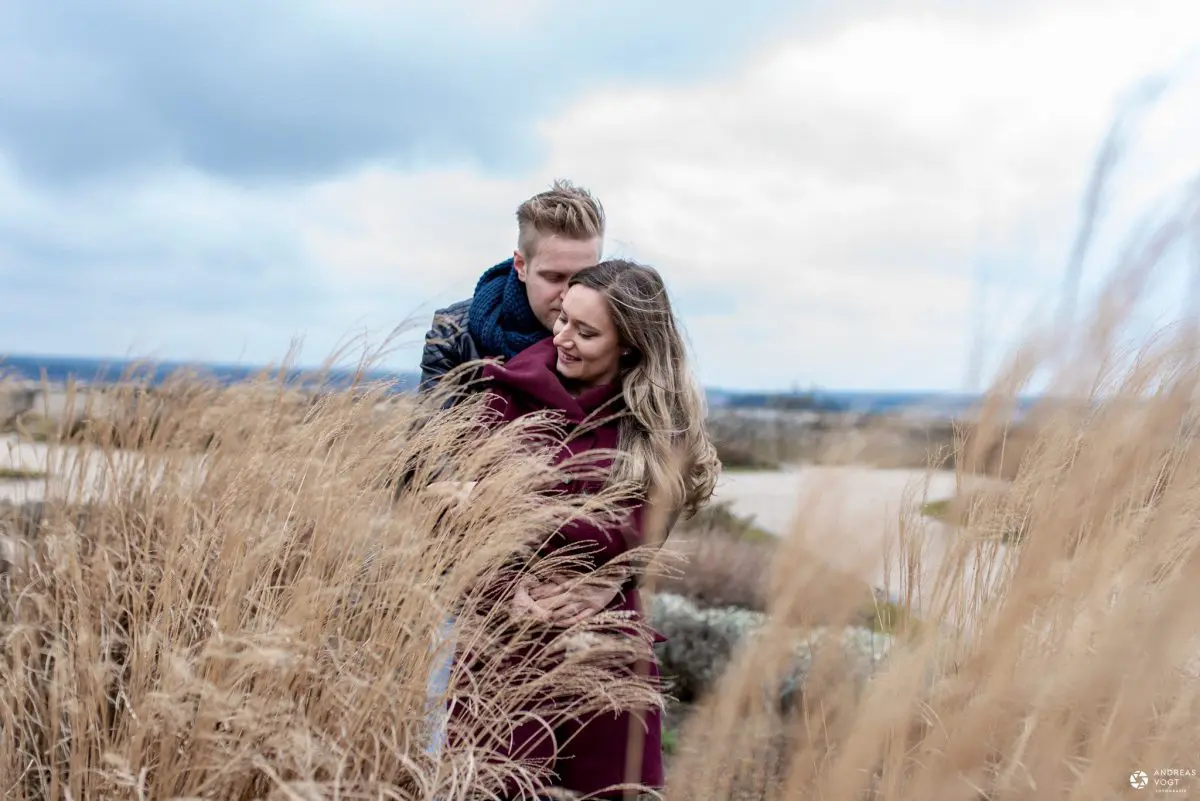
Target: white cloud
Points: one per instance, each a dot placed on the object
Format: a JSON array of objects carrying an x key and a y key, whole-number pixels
[
  {"x": 426, "y": 234},
  {"x": 170, "y": 266},
  {"x": 836, "y": 193},
  {"x": 819, "y": 213}
]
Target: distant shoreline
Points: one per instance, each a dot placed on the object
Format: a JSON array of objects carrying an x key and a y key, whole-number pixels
[{"x": 59, "y": 370}]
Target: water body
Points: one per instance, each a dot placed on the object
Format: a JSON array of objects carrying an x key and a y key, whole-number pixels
[{"x": 59, "y": 369}]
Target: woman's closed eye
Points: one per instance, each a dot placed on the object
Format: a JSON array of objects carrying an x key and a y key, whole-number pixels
[{"x": 580, "y": 332}]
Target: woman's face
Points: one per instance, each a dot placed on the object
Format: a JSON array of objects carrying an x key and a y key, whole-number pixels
[{"x": 589, "y": 349}]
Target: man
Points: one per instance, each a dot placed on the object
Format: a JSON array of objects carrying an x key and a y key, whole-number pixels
[{"x": 559, "y": 232}]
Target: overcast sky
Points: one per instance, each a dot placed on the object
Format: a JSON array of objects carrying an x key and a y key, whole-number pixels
[{"x": 820, "y": 185}]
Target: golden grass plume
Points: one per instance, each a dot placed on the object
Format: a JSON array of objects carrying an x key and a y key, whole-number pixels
[{"x": 246, "y": 606}]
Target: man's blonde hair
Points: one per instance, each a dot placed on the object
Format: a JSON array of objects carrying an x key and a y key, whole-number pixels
[{"x": 565, "y": 210}]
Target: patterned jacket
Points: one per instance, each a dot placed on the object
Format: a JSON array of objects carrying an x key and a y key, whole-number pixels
[{"x": 448, "y": 344}]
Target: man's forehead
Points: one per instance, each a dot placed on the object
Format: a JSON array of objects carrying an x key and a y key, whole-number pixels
[{"x": 574, "y": 254}]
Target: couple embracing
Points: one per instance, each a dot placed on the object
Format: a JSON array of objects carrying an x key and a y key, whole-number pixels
[{"x": 593, "y": 341}]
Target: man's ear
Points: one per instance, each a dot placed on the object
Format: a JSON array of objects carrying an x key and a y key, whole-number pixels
[{"x": 519, "y": 265}]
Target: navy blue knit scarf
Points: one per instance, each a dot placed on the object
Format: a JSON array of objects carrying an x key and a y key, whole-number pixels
[{"x": 500, "y": 320}]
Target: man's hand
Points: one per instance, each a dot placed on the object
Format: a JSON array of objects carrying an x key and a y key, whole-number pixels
[
  {"x": 523, "y": 603},
  {"x": 566, "y": 603}
]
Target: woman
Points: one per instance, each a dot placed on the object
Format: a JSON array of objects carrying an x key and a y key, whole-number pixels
[{"x": 617, "y": 371}]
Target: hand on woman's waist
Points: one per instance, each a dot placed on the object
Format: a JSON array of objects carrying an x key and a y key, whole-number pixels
[{"x": 566, "y": 601}]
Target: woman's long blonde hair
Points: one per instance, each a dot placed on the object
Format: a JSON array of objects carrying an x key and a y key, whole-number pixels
[{"x": 664, "y": 443}]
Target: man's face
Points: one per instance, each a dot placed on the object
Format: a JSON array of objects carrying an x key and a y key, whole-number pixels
[{"x": 547, "y": 273}]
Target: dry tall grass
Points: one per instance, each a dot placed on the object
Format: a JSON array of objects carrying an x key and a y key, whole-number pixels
[
  {"x": 247, "y": 610},
  {"x": 244, "y": 607},
  {"x": 1060, "y": 665}
]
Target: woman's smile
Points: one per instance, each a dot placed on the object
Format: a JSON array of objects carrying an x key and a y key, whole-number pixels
[{"x": 586, "y": 339}]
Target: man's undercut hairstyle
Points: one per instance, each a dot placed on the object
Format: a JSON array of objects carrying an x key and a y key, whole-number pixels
[{"x": 564, "y": 210}]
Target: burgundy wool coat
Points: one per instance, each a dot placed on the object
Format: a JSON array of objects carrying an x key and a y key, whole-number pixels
[{"x": 590, "y": 755}]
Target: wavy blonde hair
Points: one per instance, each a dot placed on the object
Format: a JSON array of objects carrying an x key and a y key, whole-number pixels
[{"x": 664, "y": 443}]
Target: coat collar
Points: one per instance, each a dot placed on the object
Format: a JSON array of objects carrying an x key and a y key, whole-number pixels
[{"x": 532, "y": 373}]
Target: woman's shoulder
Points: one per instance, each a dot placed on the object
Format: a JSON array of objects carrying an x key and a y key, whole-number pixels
[{"x": 528, "y": 379}]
